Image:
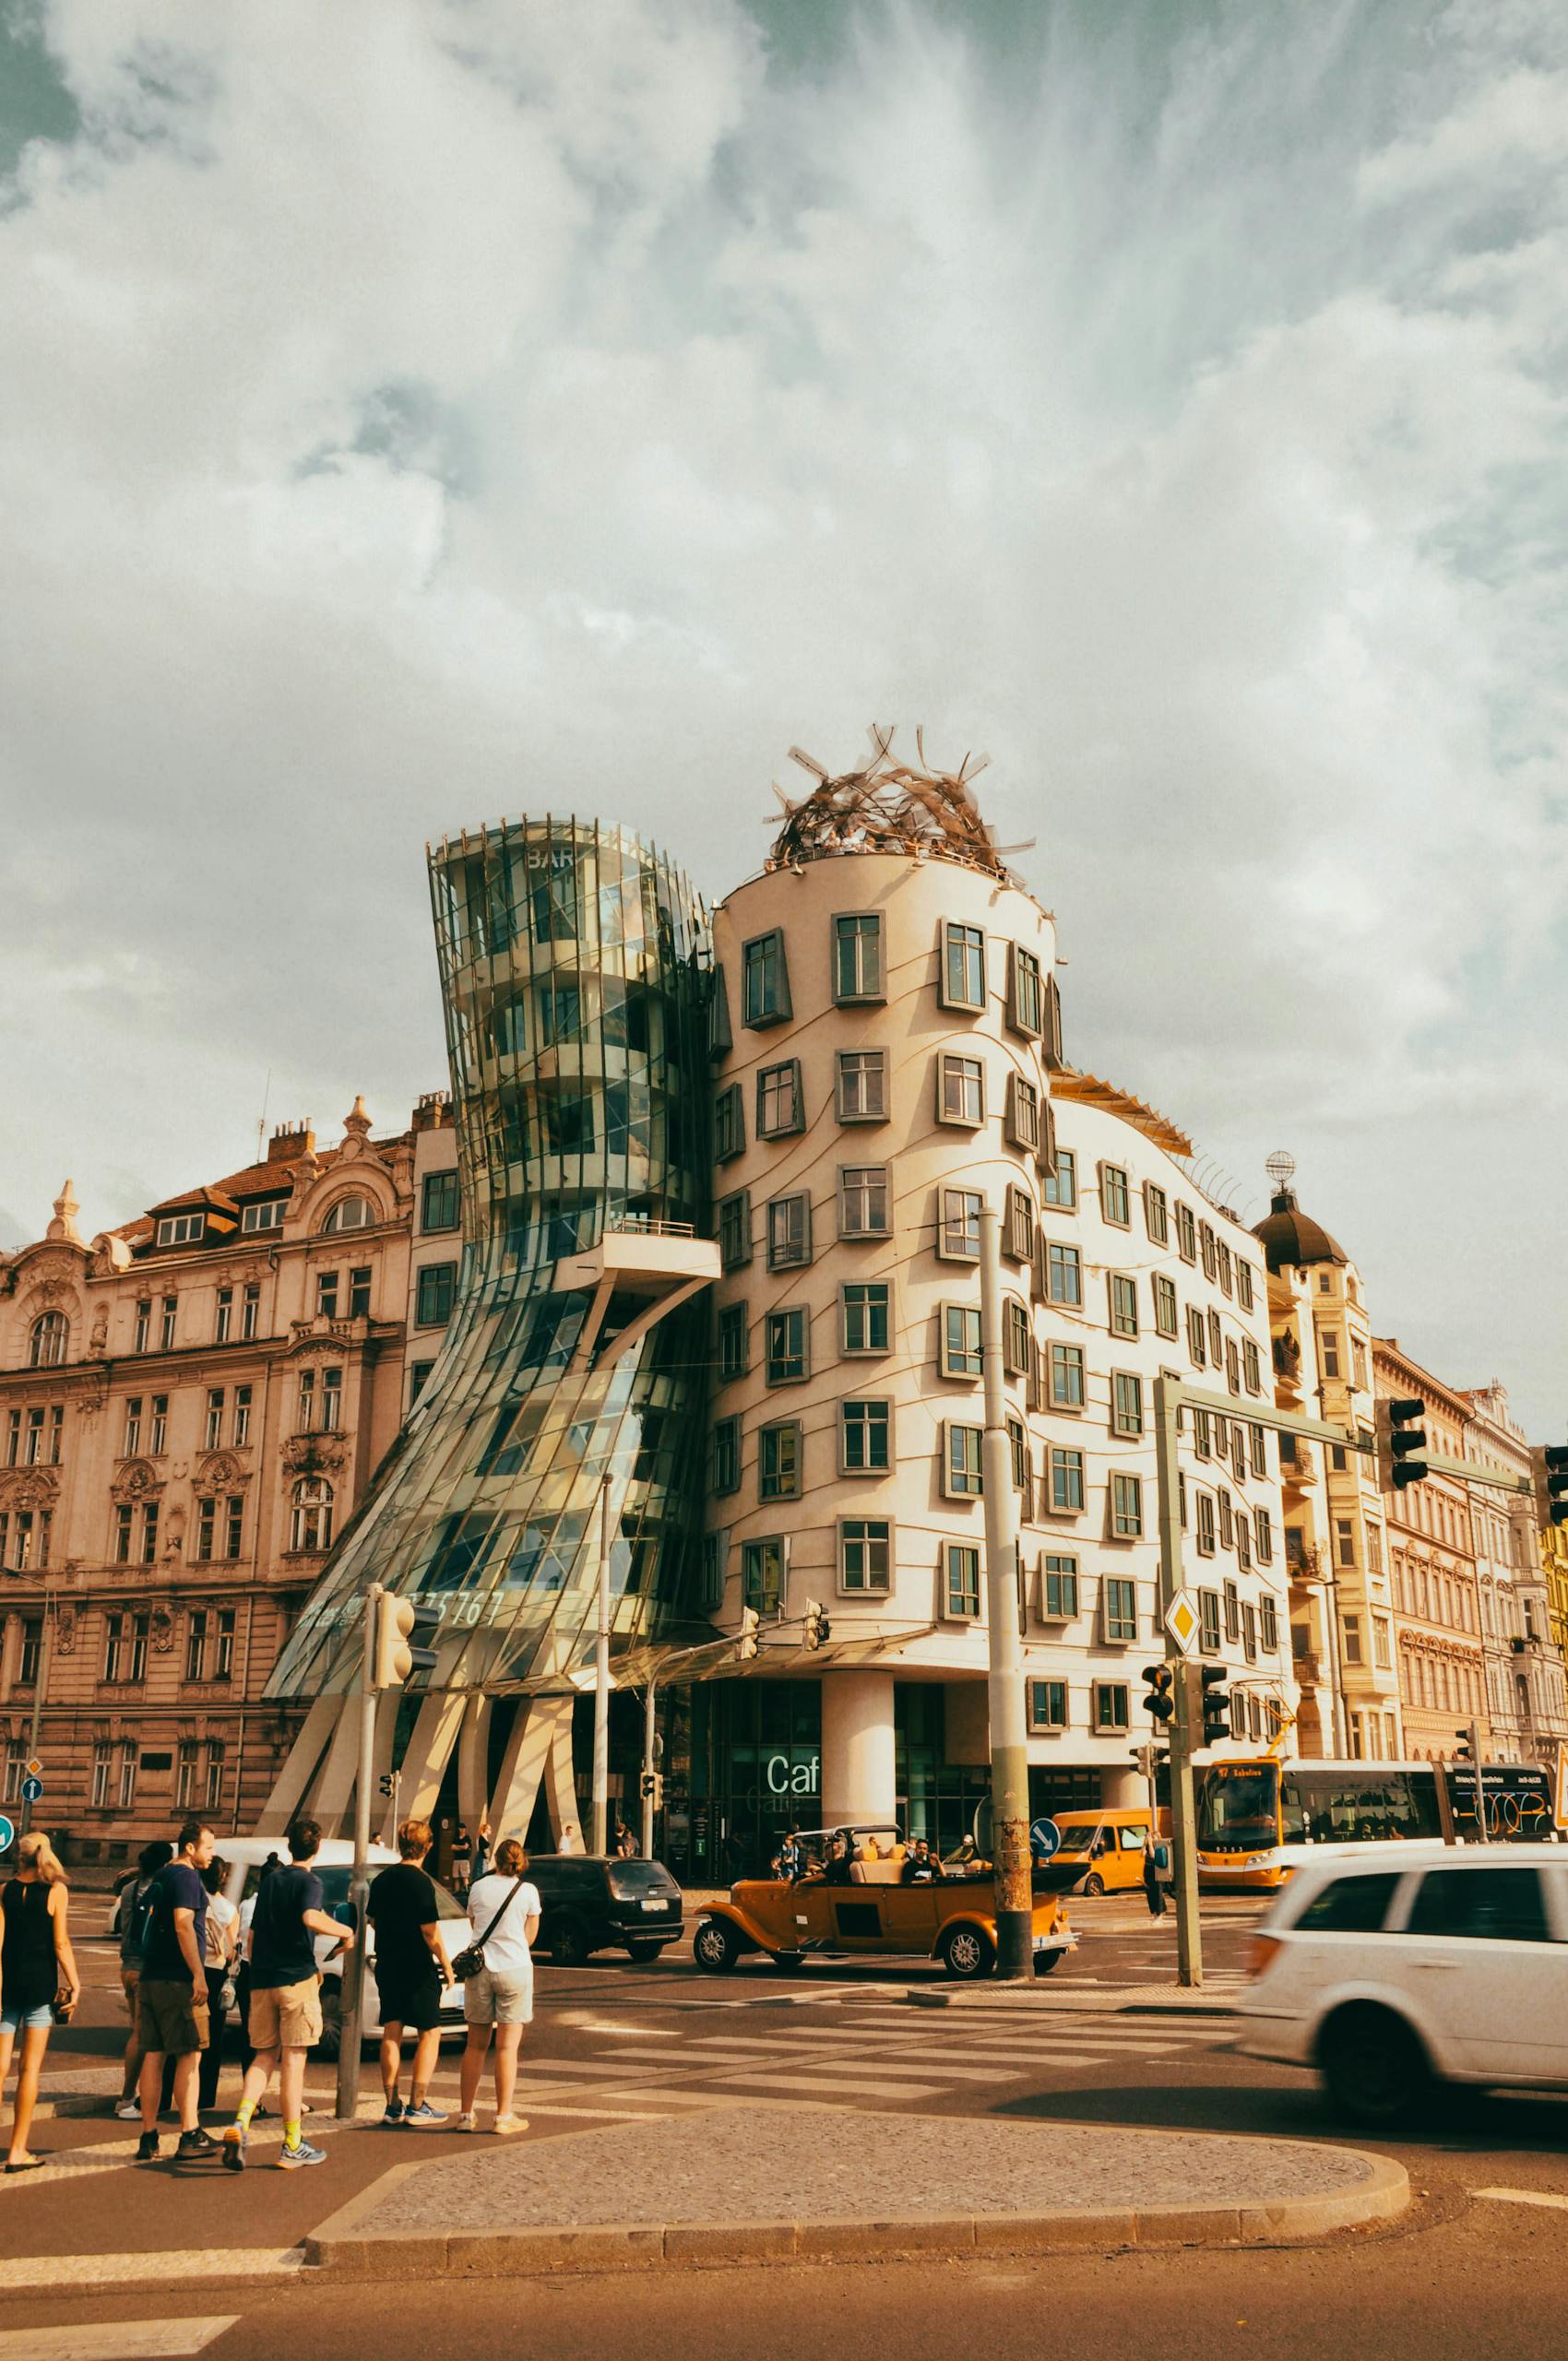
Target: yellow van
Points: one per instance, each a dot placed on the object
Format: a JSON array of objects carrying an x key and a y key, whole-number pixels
[{"x": 1104, "y": 1849}]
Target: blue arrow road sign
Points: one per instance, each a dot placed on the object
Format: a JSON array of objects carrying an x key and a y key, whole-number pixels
[
  {"x": 1045, "y": 1838},
  {"x": 32, "y": 1790},
  {"x": 6, "y": 1832}
]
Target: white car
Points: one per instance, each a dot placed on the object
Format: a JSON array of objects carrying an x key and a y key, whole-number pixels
[{"x": 1421, "y": 1965}]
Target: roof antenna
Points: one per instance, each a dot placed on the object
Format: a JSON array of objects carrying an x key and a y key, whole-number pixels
[{"x": 261, "y": 1127}]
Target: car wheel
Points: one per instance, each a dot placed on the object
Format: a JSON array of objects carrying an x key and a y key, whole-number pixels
[
  {"x": 1046, "y": 1961},
  {"x": 568, "y": 1942},
  {"x": 1094, "y": 1883},
  {"x": 641, "y": 1954},
  {"x": 716, "y": 1946},
  {"x": 966, "y": 1953},
  {"x": 1373, "y": 2067},
  {"x": 331, "y": 2040},
  {"x": 792, "y": 1962}
]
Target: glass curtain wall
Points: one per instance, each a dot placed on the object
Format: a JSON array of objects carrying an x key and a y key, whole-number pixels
[{"x": 574, "y": 965}]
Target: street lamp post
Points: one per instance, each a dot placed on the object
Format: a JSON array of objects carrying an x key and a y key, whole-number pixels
[{"x": 1009, "y": 1745}]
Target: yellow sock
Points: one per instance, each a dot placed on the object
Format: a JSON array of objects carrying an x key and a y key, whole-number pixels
[
  {"x": 291, "y": 2134},
  {"x": 247, "y": 2108}
]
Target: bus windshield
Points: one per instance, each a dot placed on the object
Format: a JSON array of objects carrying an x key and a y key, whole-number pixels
[{"x": 1239, "y": 1808}]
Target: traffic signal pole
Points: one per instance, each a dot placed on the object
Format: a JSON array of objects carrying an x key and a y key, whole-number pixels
[
  {"x": 351, "y": 2023},
  {"x": 1009, "y": 1738},
  {"x": 1183, "y": 1806}
]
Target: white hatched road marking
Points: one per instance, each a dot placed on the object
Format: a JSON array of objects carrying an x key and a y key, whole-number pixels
[
  {"x": 815, "y": 2061},
  {"x": 60, "y": 2271},
  {"x": 1524, "y": 2197},
  {"x": 116, "y": 2340},
  {"x": 814, "y": 2083}
]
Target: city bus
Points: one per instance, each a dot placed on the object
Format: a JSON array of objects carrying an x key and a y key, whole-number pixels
[{"x": 1258, "y": 1818}]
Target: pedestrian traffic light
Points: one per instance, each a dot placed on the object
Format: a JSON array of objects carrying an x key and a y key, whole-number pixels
[
  {"x": 393, "y": 1657},
  {"x": 750, "y": 1619},
  {"x": 1551, "y": 1469},
  {"x": 817, "y": 1628},
  {"x": 1215, "y": 1703},
  {"x": 387, "y": 1782},
  {"x": 1402, "y": 1443},
  {"x": 652, "y": 1788},
  {"x": 1159, "y": 1703}
]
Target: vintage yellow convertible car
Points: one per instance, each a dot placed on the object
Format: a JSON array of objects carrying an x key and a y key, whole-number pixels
[{"x": 852, "y": 1899}]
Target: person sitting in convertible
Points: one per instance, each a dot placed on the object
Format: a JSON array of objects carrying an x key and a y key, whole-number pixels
[{"x": 919, "y": 1865}]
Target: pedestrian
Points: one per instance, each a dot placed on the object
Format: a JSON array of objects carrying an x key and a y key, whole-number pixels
[
  {"x": 130, "y": 1925},
  {"x": 171, "y": 2014},
  {"x": 1153, "y": 1865},
  {"x": 626, "y": 1843},
  {"x": 285, "y": 2019},
  {"x": 222, "y": 1949},
  {"x": 790, "y": 1860},
  {"x": 481, "y": 1850},
  {"x": 38, "y": 1982},
  {"x": 411, "y": 1974},
  {"x": 504, "y": 1911},
  {"x": 462, "y": 1859}
]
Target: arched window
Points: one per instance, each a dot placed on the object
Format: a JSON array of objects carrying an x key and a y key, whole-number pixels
[
  {"x": 349, "y": 1213},
  {"x": 51, "y": 1332},
  {"x": 312, "y": 1514}
]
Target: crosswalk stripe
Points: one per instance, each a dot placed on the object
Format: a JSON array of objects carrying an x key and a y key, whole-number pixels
[
  {"x": 60, "y": 2272},
  {"x": 811, "y": 2084},
  {"x": 116, "y": 2340}
]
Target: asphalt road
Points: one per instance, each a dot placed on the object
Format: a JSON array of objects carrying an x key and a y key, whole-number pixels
[{"x": 1465, "y": 2273}]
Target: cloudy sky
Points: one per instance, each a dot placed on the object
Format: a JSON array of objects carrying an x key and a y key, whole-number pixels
[{"x": 417, "y": 413}]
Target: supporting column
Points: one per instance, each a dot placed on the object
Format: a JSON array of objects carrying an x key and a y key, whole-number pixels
[
  {"x": 430, "y": 1750},
  {"x": 294, "y": 1781},
  {"x": 335, "y": 1793},
  {"x": 522, "y": 1765},
  {"x": 473, "y": 1765},
  {"x": 859, "y": 1774},
  {"x": 561, "y": 1787}
]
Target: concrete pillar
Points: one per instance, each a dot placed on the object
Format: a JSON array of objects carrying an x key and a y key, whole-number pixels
[
  {"x": 561, "y": 1788},
  {"x": 333, "y": 1804},
  {"x": 1124, "y": 1790},
  {"x": 473, "y": 1762},
  {"x": 522, "y": 1765},
  {"x": 430, "y": 1749},
  {"x": 294, "y": 1781},
  {"x": 858, "y": 1777}
]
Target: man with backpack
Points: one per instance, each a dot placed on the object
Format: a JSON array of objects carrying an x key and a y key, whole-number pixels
[
  {"x": 285, "y": 2011},
  {"x": 130, "y": 1925},
  {"x": 172, "y": 2019}
]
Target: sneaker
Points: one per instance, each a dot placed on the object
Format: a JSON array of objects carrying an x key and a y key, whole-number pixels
[
  {"x": 236, "y": 2139},
  {"x": 291, "y": 2159},
  {"x": 146, "y": 2148},
  {"x": 424, "y": 2116},
  {"x": 507, "y": 2124},
  {"x": 468, "y": 2122},
  {"x": 128, "y": 2110},
  {"x": 196, "y": 2143},
  {"x": 396, "y": 2112}
]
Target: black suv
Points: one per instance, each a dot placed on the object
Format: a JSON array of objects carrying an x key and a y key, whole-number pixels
[{"x": 588, "y": 1903}]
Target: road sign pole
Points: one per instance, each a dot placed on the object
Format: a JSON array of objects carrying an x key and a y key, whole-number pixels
[
  {"x": 45, "y": 1651},
  {"x": 1009, "y": 1736},
  {"x": 352, "y": 2018},
  {"x": 1184, "y": 1813}
]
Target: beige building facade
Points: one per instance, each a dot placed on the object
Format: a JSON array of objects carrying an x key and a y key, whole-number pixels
[
  {"x": 1437, "y": 1615},
  {"x": 1524, "y": 1667}
]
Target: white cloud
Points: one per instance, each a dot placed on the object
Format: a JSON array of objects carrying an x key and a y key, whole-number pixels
[{"x": 426, "y": 411}]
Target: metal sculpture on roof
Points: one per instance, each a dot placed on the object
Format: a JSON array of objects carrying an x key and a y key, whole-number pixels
[{"x": 887, "y": 807}]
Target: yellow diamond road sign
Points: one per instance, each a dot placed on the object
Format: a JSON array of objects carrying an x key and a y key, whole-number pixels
[{"x": 1182, "y": 1620}]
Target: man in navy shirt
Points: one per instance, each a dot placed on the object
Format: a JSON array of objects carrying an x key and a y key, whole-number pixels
[
  {"x": 172, "y": 1996},
  {"x": 285, "y": 1996}
]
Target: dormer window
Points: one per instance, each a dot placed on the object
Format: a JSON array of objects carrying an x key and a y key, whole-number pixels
[
  {"x": 182, "y": 1230},
  {"x": 268, "y": 1215}
]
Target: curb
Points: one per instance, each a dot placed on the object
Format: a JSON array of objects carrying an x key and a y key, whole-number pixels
[
  {"x": 1068, "y": 2004},
  {"x": 343, "y": 2244}
]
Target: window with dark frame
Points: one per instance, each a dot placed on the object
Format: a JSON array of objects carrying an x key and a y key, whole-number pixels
[
  {"x": 729, "y": 1124},
  {"x": 784, "y": 1346},
  {"x": 779, "y": 1103},
  {"x": 1023, "y": 1112},
  {"x": 735, "y": 1230},
  {"x": 865, "y": 1554},
  {"x": 958, "y": 1239},
  {"x": 857, "y": 957},
  {"x": 1059, "y": 1588},
  {"x": 960, "y": 1340},
  {"x": 778, "y": 1462},
  {"x": 866, "y": 1437},
  {"x": 724, "y": 1474},
  {"x": 734, "y": 1355},
  {"x": 1123, "y": 1293},
  {"x": 863, "y": 1086},
  {"x": 961, "y": 1588},
  {"x": 864, "y": 1308},
  {"x": 963, "y": 966},
  {"x": 1060, "y": 1182},
  {"x": 1067, "y": 1391},
  {"x": 962, "y": 1471},
  {"x": 862, "y": 1201},
  {"x": 788, "y": 1231},
  {"x": 765, "y": 981},
  {"x": 1167, "y": 1318},
  {"x": 1026, "y": 991}
]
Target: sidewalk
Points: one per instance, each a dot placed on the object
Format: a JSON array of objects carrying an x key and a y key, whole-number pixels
[{"x": 831, "y": 2183}]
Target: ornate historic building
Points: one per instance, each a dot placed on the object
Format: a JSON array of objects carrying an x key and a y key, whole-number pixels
[
  {"x": 1524, "y": 1665},
  {"x": 191, "y": 1406},
  {"x": 1437, "y": 1616}
]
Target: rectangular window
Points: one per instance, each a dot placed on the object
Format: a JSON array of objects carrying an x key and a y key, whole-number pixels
[
  {"x": 1186, "y": 1234},
  {"x": 127, "y": 1793},
  {"x": 762, "y": 1576},
  {"x": 1127, "y": 1506},
  {"x": 865, "y": 1554},
  {"x": 1018, "y": 1452},
  {"x": 857, "y": 957},
  {"x": 779, "y": 1107},
  {"x": 962, "y": 1478},
  {"x": 158, "y": 1437},
  {"x": 1269, "y": 1617},
  {"x": 1216, "y": 1340},
  {"x": 779, "y": 1463},
  {"x": 206, "y": 1526},
  {"x": 960, "y": 1236},
  {"x": 1123, "y": 1305},
  {"x": 1209, "y": 1623},
  {"x": 1048, "y": 1705},
  {"x": 1061, "y": 1181},
  {"x": 196, "y": 1645},
  {"x": 865, "y": 1317},
  {"x": 1059, "y": 1588},
  {"x": 359, "y": 1293},
  {"x": 124, "y": 1517},
  {"x": 223, "y": 1669},
  {"x": 434, "y": 1290},
  {"x": 1064, "y": 1276},
  {"x": 963, "y": 966},
  {"x": 864, "y": 1438},
  {"x": 233, "y": 1539},
  {"x": 729, "y": 1124},
  {"x": 180, "y": 1229},
  {"x": 788, "y": 1231},
  {"x": 1118, "y": 1609},
  {"x": 1263, "y": 1537},
  {"x": 719, "y": 1036},
  {"x": 1067, "y": 1377},
  {"x": 257, "y": 1218},
  {"x": 1115, "y": 1199},
  {"x": 1222, "y": 1257},
  {"x": 725, "y": 1469},
  {"x": 862, "y": 1201},
  {"x": 214, "y": 1775},
  {"x": 13, "y": 1436},
  {"x": 863, "y": 1086},
  {"x": 1018, "y": 1225},
  {"x": 1166, "y": 1320},
  {"x": 1023, "y": 1112},
  {"x": 960, "y": 1341},
  {"x": 1109, "y": 1705},
  {"x": 1243, "y": 1540},
  {"x": 1026, "y": 991},
  {"x": 249, "y": 1311},
  {"x": 1244, "y": 1296},
  {"x": 1251, "y": 1368},
  {"x": 1344, "y": 1541},
  {"x": 961, "y": 1585},
  {"x": 1205, "y": 1524},
  {"x": 1232, "y": 1613},
  {"x": 240, "y": 1429},
  {"x": 214, "y": 1427},
  {"x": 57, "y": 1433},
  {"x": 1260, "y": 1447},
  {"x": 224, "y": 1318},
  {"x": 133, "y": 1426},
  {"x": 765, "y": 981},
  {"x": 1227, "y": 1522},
  {"x": 1066, "y": 1482},
  {"x": 166, "y": 1332},
  {"x": 733, "y": 1349},
  {"x": 1351, "y": 1627},
  {"x": 102, "y": 1765},
  {"x": 332, "y": 1401},
  {"x": 1156, "y": 1214},
  {"x": 735, "y": 1230},
  {"x": 438, "y": 1200},
  {"x": 960, "y": 1090},
  {"x": 1127, "y": 1403},
  {"x": 326, "y": 1295},
  {"x": 419, "y": 1376},
  {"x": 34, "y": 1451},
  {"x": 1328, "y": 1345},
  {"x": 1017, "y": 1345},
  {"x": 1195, "y": 1336},
  {"x": 784, "y": 1348},
  {"x": 144, "y": 1328},
  {"x": 135, "y": 1665}
]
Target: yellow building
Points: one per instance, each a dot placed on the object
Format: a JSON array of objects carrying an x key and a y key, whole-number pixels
[{"x": 1554, "y": 1564}]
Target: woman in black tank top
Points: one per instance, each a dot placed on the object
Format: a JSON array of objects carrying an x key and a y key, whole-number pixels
[{"x": 37, "y": 1965}]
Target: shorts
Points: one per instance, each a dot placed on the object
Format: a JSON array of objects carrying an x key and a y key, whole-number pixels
[
  {"x": 414, "y": 2001},
  {"x": 286, "y": 2016},
  {"x": 168, "y": 2021},
  {"x": 129, "y": 1979},
  {"x": 26, "y": 2020},
  {"x": 493, "y": 2000}
]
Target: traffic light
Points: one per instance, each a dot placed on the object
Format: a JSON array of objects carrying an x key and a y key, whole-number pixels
[
  {"x": 393, "y": 1657},
  {"x": 1215, "y": 1703},
  {"x": 750, "y": 1619},
  {"x": 651, "y": 1788},
  {"x": 1159, "y": 1703},
  {"x": 1401, "y": 1443},
  {"x": 817, "y": 1627},
  {"x": 1464, "y": 1744},
  {"x": 387, "y": 1782},
  {"x": 1551, "y": 1469}
]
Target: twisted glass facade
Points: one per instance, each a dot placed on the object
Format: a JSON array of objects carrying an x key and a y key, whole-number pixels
[{"x": 574, "y": 973}]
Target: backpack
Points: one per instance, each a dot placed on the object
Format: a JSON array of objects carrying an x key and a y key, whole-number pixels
[{"x": 138, "y": 1906}]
